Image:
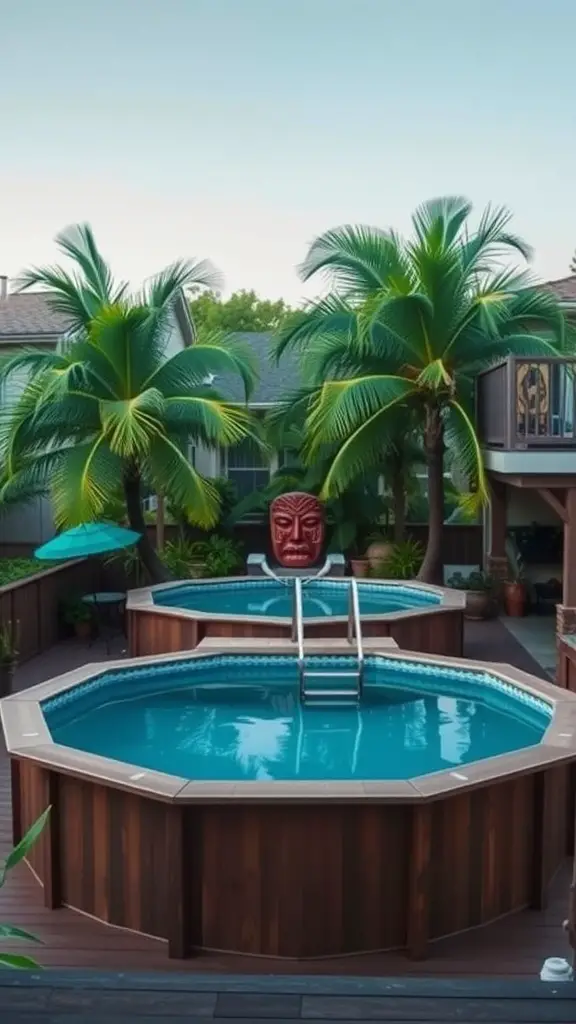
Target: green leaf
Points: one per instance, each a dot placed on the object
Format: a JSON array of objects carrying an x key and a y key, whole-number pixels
[
  {"x": 8, "y": 931},
  {"x": 25, "y": 845},
  {"x": 21, "y": 963}
]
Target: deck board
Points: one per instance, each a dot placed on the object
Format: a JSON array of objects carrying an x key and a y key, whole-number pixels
[{"x": 515, "y": 946}]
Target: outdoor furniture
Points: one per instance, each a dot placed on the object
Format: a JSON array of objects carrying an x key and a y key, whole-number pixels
[
  {"x": 109, "y": 612},
  {"x": 548, "y": 595}
]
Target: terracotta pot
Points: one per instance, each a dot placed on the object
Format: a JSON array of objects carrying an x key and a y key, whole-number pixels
[
  {"x": 480, "y": 605},
  {"x": 359, "y": 566},
  {"x": 7, "y": 670},
  {"x": 378, "y": 552},
  {"x": 515, "y": 599},
  {"x": 83, "y": 629}
]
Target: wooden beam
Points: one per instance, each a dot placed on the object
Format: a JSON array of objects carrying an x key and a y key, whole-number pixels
[
  {"x": 51, "y": 839},
  {"x": 420, "y": 881},
  {"x": 535, "y": 480},
  {"x": 554, "y": 502}
]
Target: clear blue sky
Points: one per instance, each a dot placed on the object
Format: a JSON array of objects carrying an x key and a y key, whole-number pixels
[{"x": 239, "y": 129}]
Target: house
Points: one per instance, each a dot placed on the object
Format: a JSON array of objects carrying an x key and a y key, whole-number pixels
[
  {"x": 527, "y": 426},
  {"x": 27, "y": 320}
]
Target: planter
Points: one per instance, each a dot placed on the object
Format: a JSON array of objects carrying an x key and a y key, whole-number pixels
[
  {"x": 359, "y": 566},
  {"x": 377, "y": 553},
  {"x": 515, "y": 599},
  {"x": 83, "y": 629},
  {"x": 480, "y": 605},
  {"x": 7, "y": 670}
]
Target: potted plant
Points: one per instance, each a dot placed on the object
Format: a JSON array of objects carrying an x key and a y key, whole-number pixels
[
  {"x": 78, "y": 614},
  {"x": 403, "y": 562},
  {"x": 514, "y": 590},
  {"x": 352, "y": 518},
  {"x": 378, "y": 550},
  {"x": 480, "y": 599},
  {"x": 8, "y": 656}
]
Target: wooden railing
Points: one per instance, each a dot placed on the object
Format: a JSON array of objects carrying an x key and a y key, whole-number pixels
[{"x": 528, "y": 403}]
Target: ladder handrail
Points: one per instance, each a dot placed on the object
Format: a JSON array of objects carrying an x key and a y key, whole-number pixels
[
  {"x": 355, "y": 627},
  {"x": 298, "y": 630}
]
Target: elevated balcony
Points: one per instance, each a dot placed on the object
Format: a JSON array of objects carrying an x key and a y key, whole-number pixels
[{"x": 527, "y": 415}]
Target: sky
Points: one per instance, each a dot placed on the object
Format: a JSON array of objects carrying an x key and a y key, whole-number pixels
[{"x": 239, "y": 130}]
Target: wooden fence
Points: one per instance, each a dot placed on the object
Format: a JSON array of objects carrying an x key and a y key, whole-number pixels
[{"x": 34, "y": 603}]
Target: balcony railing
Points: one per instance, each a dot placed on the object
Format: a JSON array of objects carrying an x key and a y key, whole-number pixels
[{"x": 528, "y": 403}]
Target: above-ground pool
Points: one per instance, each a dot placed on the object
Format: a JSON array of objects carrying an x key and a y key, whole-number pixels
[
  {"x": 240, "y": 718},
  {"x": 177, "y": 616},
  {"x": 195, "y": 798}
]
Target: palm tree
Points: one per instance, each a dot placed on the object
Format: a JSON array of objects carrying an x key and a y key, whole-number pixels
[
  {"x": 107, "y": 409},
  {"x": 408, "y": 324}
]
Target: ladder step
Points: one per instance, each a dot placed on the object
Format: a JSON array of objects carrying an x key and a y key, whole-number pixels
[
  {"x": 331, "y": 693},
  {"x": 331, "y": 675}
]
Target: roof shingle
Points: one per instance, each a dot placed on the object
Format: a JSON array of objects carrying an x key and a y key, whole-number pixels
[{"x": 30, "y": 315}]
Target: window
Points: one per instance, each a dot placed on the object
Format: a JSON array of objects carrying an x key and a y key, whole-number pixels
[
  {"x": 12, "y": 387},
  {"x": 245, "y": 467}
]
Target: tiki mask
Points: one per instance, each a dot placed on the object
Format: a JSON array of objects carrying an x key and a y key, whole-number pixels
[{"x": 297, "y": 528}]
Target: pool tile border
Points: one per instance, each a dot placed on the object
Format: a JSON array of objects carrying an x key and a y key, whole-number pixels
[{"x": 27, "y": 736}]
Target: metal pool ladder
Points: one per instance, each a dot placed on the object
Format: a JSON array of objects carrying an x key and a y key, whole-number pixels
[{"x": 355, "y": 677}]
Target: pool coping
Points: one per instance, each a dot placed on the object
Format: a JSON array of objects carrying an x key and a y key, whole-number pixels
[
  {"x": 28, "y": 738},
  {"x": 142, "y": 600}
]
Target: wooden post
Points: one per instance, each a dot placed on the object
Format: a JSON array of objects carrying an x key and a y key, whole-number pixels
[
  {"x": 51, "y": 871},
  {"x": 569, "y": 575},
  {"x": 497, "y": 512},
  {"x": 418, "y": 924},
  {"x": 541, "y": 838},
  {"x": 566, "y": 612},
  {"x": 178, "y": 887},
  {"x": 16, "y": 799}
]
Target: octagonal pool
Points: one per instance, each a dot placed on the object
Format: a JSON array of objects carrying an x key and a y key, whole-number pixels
[
  {"x": 195, "y": 798},
  {"x": 177, "y": 616},
  {"x": 240, "y": 717}
]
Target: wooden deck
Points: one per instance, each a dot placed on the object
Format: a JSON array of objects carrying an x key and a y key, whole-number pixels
[
  {"x": 512, "y": 947},
  {"x": 68, "y": 997}
]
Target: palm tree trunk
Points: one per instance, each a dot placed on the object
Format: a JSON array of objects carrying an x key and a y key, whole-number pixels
[
  {"x": 154, "y": 566},
  {"x": 399, "y": 506},
  {"x": 432, "y": 567}
]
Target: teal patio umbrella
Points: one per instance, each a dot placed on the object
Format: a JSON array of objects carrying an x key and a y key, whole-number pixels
[{"x": 86, "y": 540}]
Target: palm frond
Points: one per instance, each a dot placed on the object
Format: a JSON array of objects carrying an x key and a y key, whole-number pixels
[
  {"x": 357, "y": 259},
  {"x": 168, "y": 469},
  {"x": 164, "y": 288},
  {"x": 86, "y": 477},
  {"x": 215, "y": 356}
]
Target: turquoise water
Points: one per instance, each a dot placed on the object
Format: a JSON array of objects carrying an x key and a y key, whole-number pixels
[
  {"x": 326, "y": 598},
  {"x": 239, "y": 718}
]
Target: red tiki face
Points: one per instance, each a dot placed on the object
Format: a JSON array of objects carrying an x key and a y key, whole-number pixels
[{"x": 297, "y": 528}]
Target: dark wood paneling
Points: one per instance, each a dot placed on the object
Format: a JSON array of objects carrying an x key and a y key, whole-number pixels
[
  {"x": 290, "y": 880},
  {"x": 437, "y": 632},
  {"x": 34, "y": 603}
]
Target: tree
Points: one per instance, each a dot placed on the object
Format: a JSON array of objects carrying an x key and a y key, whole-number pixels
[
  {"x": 408, "y": 324},
  {"x": 243, "y": 311},
  {"x": 108, "y": 409},
  {"x": 573, "y": 264}
]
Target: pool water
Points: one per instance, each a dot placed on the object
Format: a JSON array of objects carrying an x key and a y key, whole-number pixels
[
  {"x": 324, "y": 599},
  {"x": 217, "y": 723}
]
